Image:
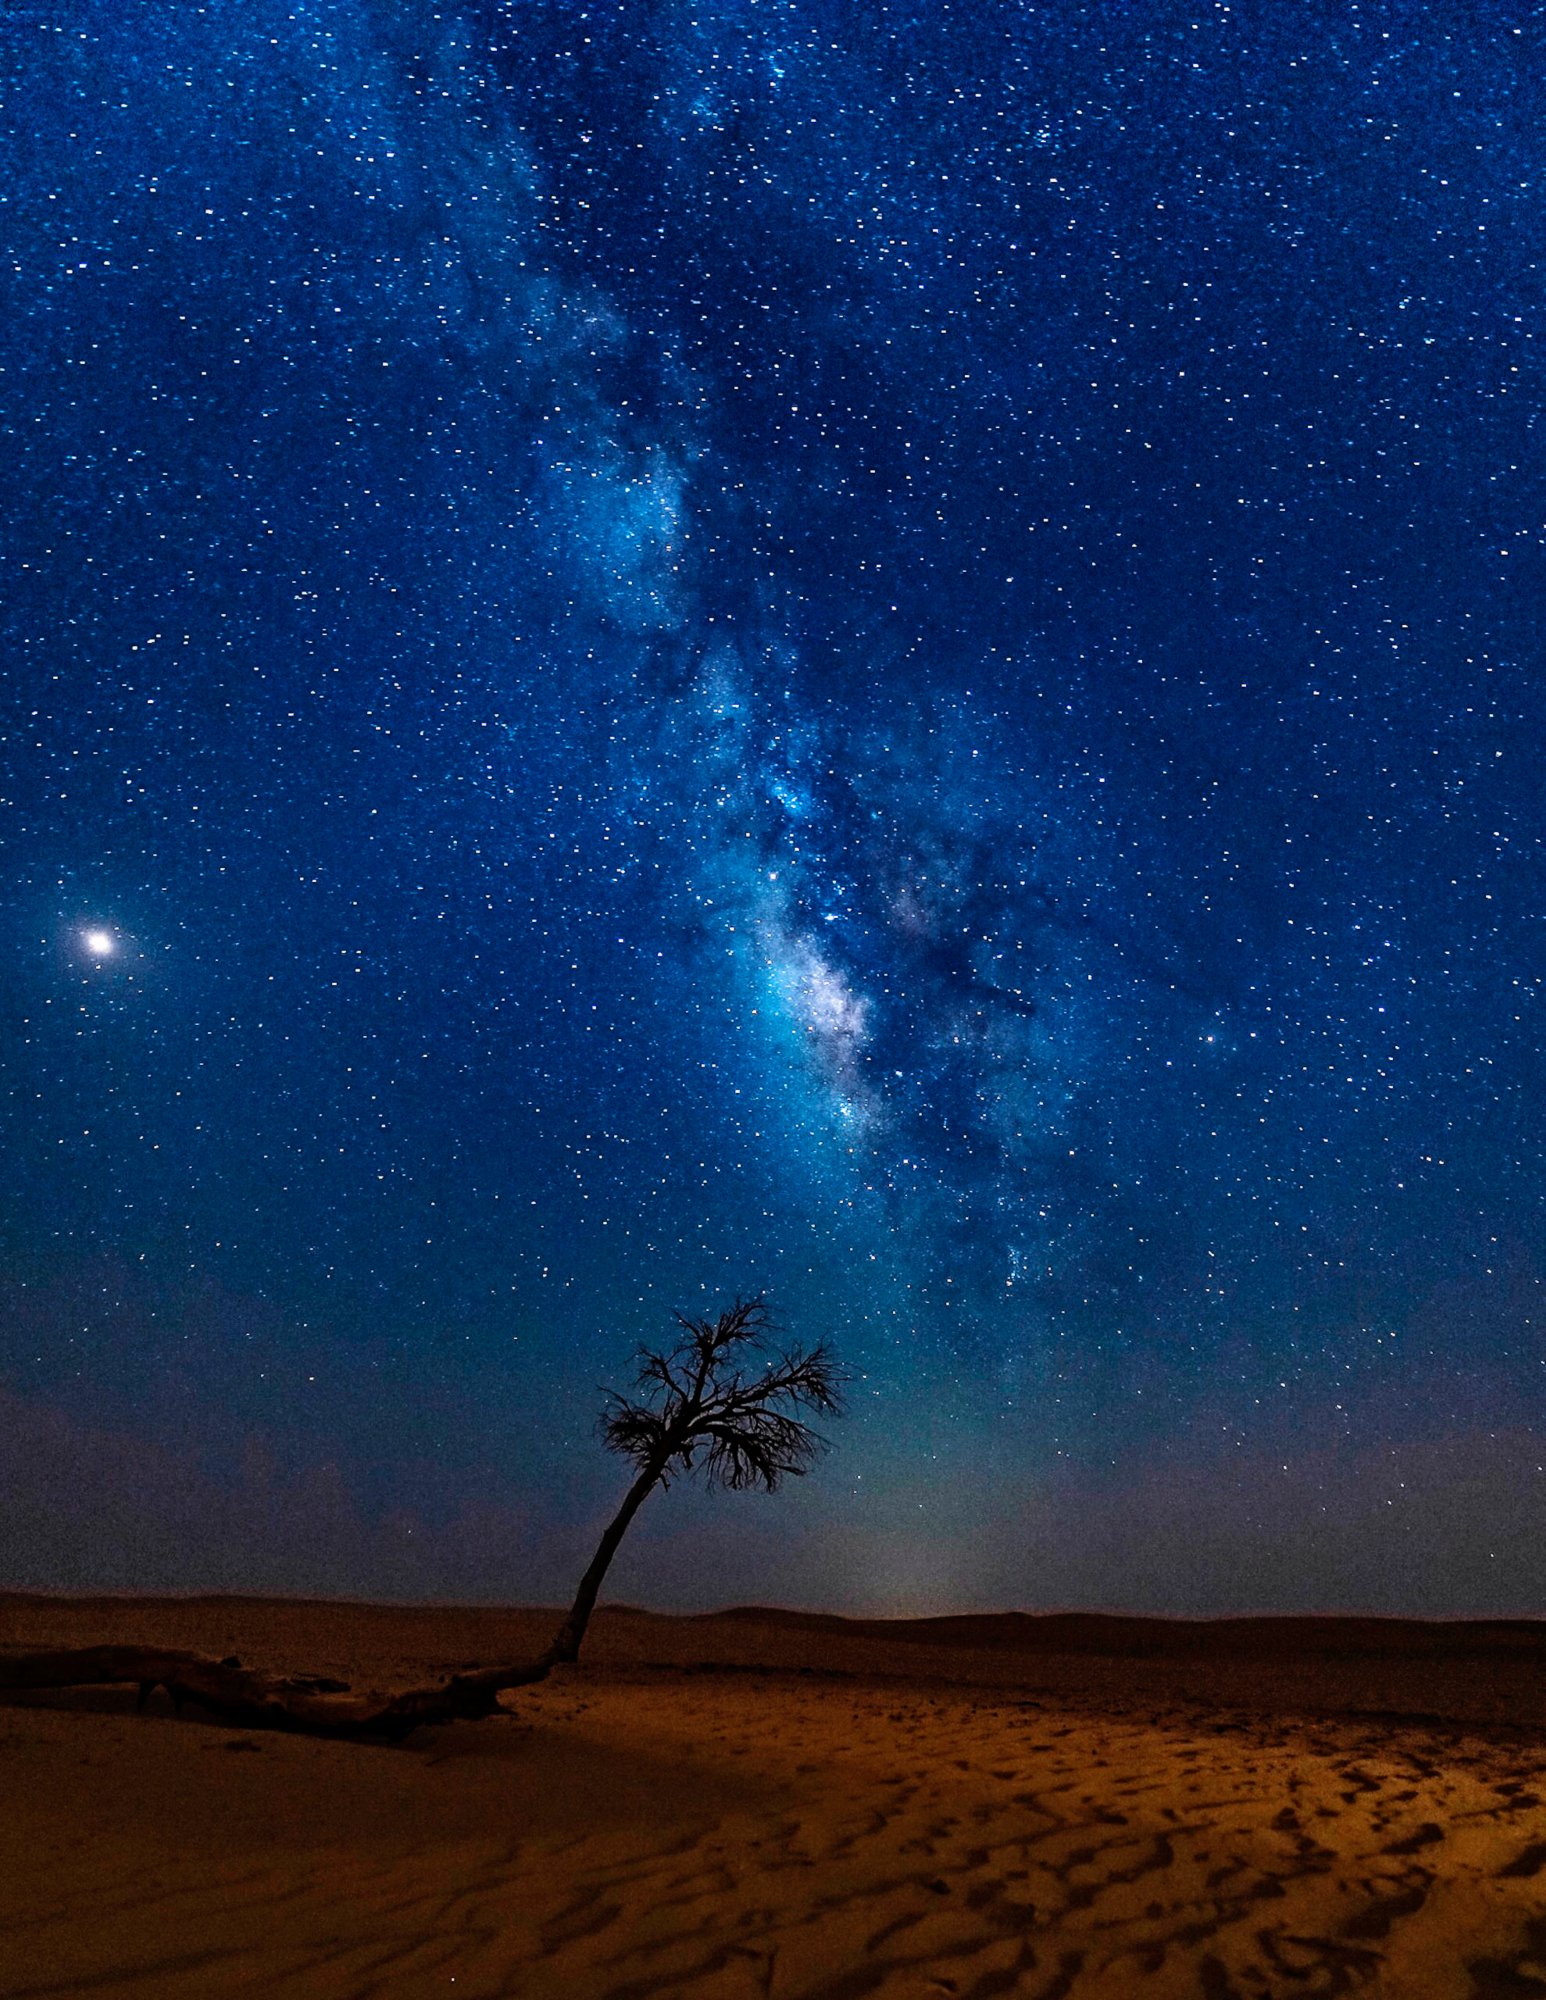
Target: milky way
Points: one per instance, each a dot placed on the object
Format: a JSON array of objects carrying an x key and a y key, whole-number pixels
[{"x": 884, "y": 655}]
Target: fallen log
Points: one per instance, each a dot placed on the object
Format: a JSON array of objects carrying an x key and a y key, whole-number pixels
[{"x": 246, "y": 1698}]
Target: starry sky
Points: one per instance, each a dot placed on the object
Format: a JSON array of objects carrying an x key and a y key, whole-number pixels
[{"x": 887, "y": 654}]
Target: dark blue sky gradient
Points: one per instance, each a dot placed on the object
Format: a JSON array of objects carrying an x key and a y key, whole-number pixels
[{"x": 887, "y": 654}]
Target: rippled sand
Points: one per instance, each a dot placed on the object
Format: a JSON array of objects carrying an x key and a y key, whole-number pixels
[{"x": 678, "y": 1819}]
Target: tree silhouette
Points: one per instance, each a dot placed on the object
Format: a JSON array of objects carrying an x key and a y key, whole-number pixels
[
  {"x": 720, "y": 1402},
  {"x": 717, "y": 1402}
]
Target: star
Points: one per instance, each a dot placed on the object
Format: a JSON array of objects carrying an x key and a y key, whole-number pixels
[{"x": 100, "y": 943}]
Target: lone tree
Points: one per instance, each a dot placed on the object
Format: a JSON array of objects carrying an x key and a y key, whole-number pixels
[
  {"x": 721, "y": 1401},
  {"x": 715, "y": 1402}
]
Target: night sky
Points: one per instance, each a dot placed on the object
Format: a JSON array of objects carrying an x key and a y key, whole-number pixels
[{"x": 884, "y": 654}]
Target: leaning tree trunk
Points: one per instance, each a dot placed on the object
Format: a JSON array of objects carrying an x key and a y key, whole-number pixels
[
  {"x": 311, "y": 1704},
  {"x": 566, "y": 1642}
]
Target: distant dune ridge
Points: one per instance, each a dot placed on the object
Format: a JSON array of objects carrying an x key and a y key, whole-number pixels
[
  {"x": 792, "y": 1806},
  {"x": 1119, "y": 1636}
]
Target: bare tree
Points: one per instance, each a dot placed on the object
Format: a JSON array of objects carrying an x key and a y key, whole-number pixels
[{"x": 719, "y": 1401}]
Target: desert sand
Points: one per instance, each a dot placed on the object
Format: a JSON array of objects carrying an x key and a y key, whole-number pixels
[{"x": 761, "y": 1804}]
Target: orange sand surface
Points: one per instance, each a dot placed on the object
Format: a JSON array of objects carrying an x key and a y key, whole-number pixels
[{"x": 762, "y": 1805}]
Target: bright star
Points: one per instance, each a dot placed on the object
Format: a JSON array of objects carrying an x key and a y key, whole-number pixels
[{"x": 101, "y": 944}]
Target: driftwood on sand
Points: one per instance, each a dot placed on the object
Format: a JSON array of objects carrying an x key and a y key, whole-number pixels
[
  {"x": 699, "y": 1411},
  {"x": 248, "y": 1699}
]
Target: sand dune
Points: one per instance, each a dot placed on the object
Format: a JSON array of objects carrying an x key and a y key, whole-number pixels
[{"x": 764, "y": 1805}]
